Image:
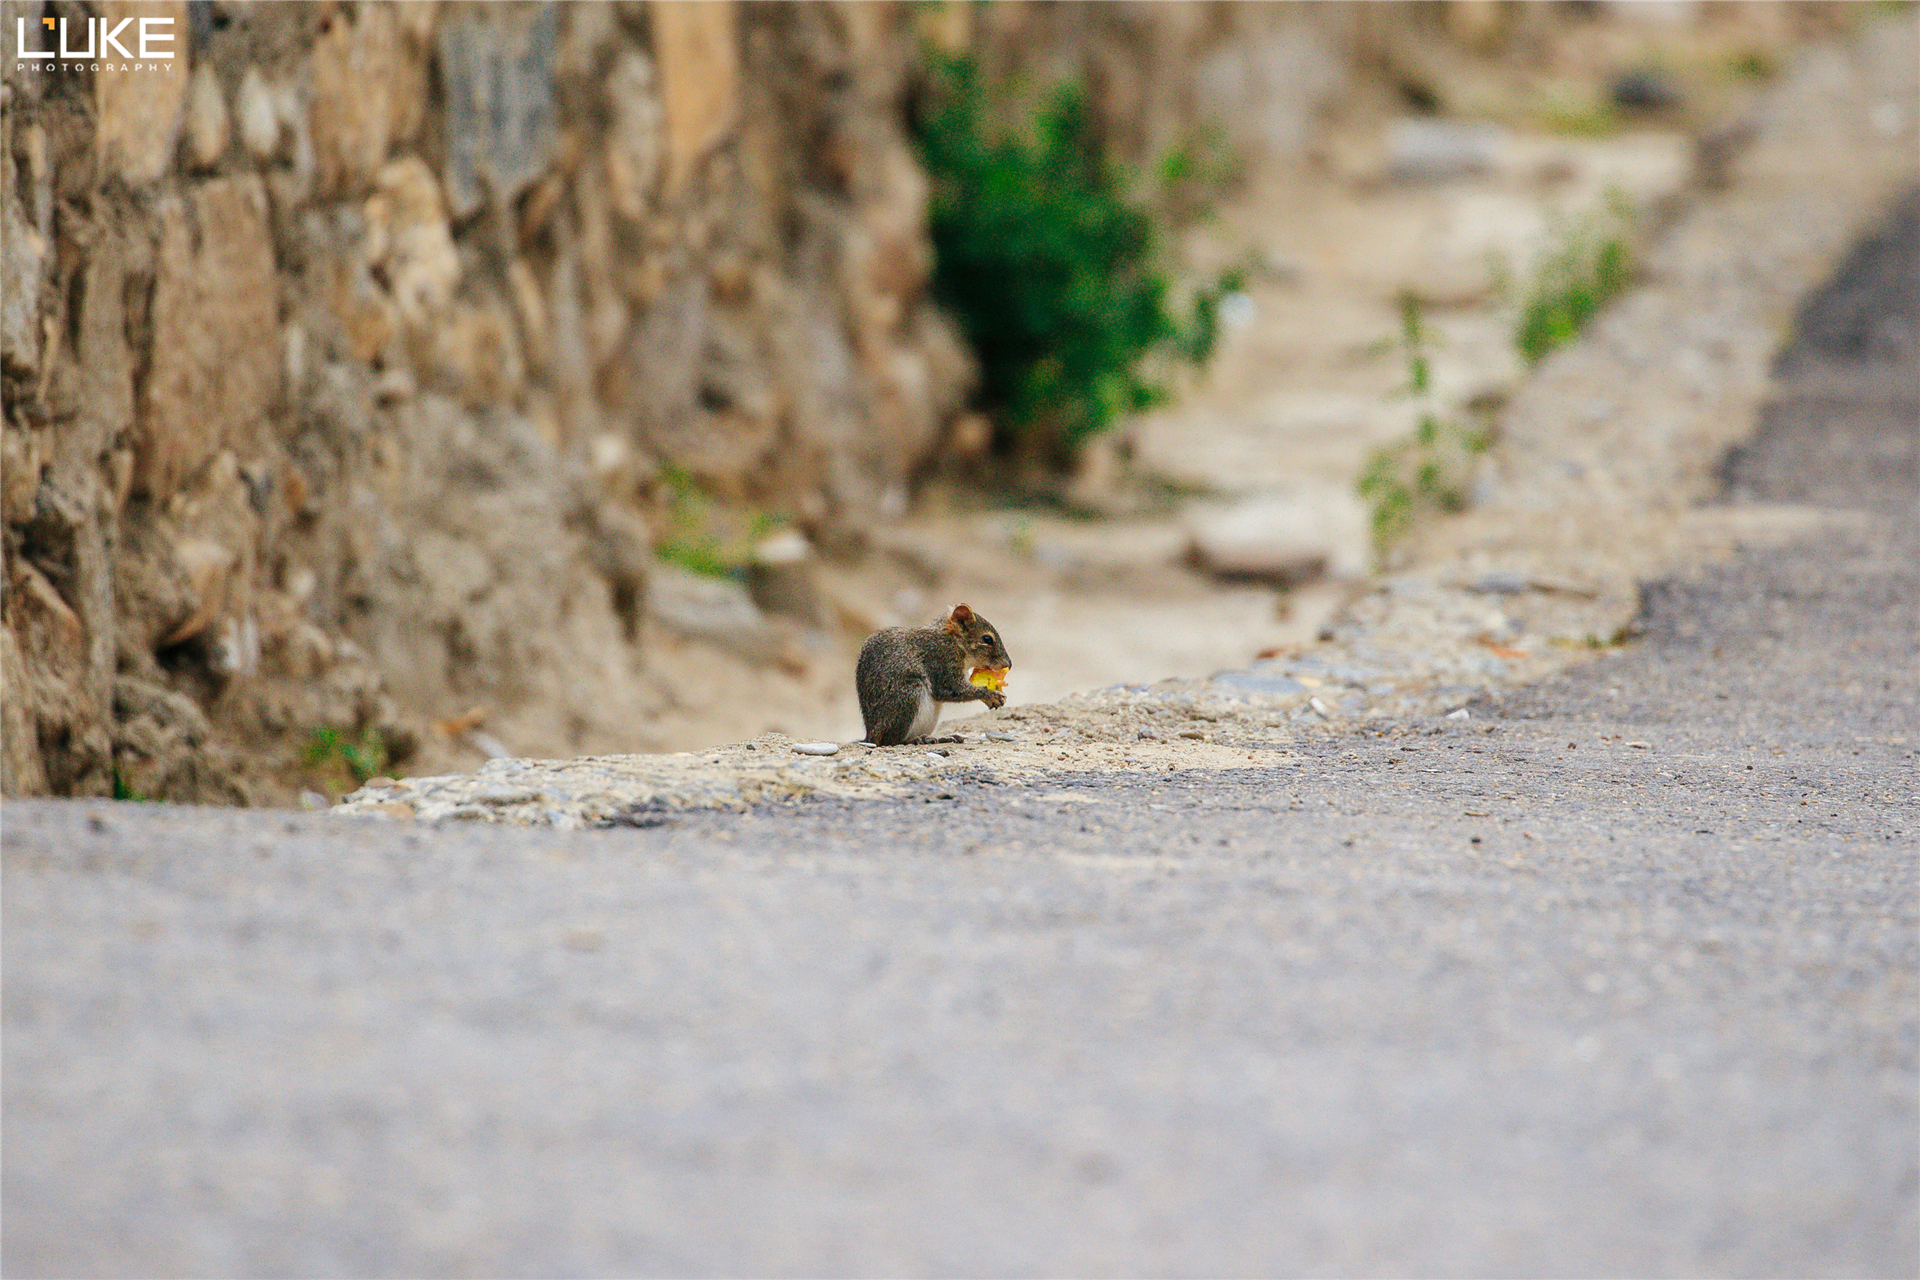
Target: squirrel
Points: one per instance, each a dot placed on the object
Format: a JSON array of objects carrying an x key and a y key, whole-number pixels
[{"x": 905, "y": 673}]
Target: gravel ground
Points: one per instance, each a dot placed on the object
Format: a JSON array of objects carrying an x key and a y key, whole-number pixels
[{"x": 1616, "y": 976}]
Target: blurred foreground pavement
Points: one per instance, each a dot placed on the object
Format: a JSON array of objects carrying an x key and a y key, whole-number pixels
[{"x": 1617, "y": 977}]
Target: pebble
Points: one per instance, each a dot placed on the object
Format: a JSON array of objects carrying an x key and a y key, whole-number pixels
[
  {"x": 816, "y": 748},
  {"x": 259, "y": 122},
  {"x": 1499, "y": 584},
  {"x": 1237, "y": 311},
  {"x": 1260, "y": 683},
  {"x": 489, "y": 745},
  {"x": 1438, "y": 150},
  {"x": 1321, "y": 707},
  {"x": 997, "y": 735},
  {"x": 1460, "y": 714}
]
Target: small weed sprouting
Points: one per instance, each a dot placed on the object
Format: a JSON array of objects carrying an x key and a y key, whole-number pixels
[
  {"x": 337, "y": 756},
  {"x": 701, "y": 555},
  {"x": 1190, "y": 174},
  {"x": 1756, "y": 64},
  {"x": 1050, "y": 269},
  {"x": 1413, "y": 340},
  {"x": 1622, "y": 636},
  {"x": 1427, "y": 471},
  {"x": 1581, "y": 121},
  {"x": 693, "y": 545},
  {"x": 1588, "y": 269}
]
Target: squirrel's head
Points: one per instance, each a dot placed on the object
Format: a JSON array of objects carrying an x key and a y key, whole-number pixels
[{"x": 980, "y": 638}]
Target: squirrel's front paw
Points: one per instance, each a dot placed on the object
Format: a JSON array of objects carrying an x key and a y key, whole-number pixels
[{"x": 993, "y": 698}]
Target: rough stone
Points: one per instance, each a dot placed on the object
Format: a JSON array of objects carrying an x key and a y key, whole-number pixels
[
  {"x": 103, "y": 367},
  {"x": 635, "y": 146},
  {"x": 23, "y": 255},
  {"x": 161, "y": 747},
  {"x": 368, "y": 92},
  {"x": 621, "y": 548},
  {"x": 783, "y": 577},
  {"x": 259, "y": 116},
  {"x": 56, "y": 712},
  {"x": 722, "y": 613},
  {"x": 1270, "y": 87},
  {"x": 498, "y": 72},
  {"x": 216, "y": 332},
  {"x": 134, "y": 697},
  {"x": 1436, "y": 150},
  {"x": 453, "y": 573},
  {"x": 154, "y": 593},
  {"x": 476, "y": 351},
  {"x": 408, "y": 239},
  {"x": 697, "y": 46},
  {"x": 138, "y": 113},
  {"x": 661, "y": 366},
  {"x": 208, "y": 127},
  {"x": 49, "y": 628},
  {"x": 536, "y": 329},
  {"x": 19, "y": 473},
  {"x": 209, "y": 568},
  {"x": 1287, "y": 541},
  {"x": 21, "y": 769}
]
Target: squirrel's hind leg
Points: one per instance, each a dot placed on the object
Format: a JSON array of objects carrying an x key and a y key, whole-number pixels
[{"x": 904, "y": 721}]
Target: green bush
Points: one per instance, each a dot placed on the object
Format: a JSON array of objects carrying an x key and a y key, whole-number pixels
[{"x": 1050, "y": 270}]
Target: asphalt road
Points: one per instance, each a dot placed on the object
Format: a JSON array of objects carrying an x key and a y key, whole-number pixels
[{"x": 1617, "y": 977}]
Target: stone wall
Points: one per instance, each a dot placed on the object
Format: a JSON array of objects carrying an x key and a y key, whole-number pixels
[
  {"x": 356, "y": 362},
  {"x": 1255, "y": 77},
  {"x": 344, "y": 356}
]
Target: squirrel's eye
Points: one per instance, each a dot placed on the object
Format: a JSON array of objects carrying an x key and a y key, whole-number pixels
[{"x": 988, "y": 638}]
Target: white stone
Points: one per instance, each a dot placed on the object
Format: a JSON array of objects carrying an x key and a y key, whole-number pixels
[
  {"x": 207, "y": 125},
  {"x": 259, "y": 116},
  {"x": 1436, "y": 150},
  {"x": 1283, "y": 539}
]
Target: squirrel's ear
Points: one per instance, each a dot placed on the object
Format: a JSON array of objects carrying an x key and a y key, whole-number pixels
[{"x": 962, "y": 614}]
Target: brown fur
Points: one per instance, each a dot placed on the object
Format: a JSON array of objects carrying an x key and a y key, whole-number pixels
[{"x": 899, "y": 665}]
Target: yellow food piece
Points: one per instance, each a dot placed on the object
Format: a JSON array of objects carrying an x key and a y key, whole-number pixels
[{"x": 990, "y": 677}]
